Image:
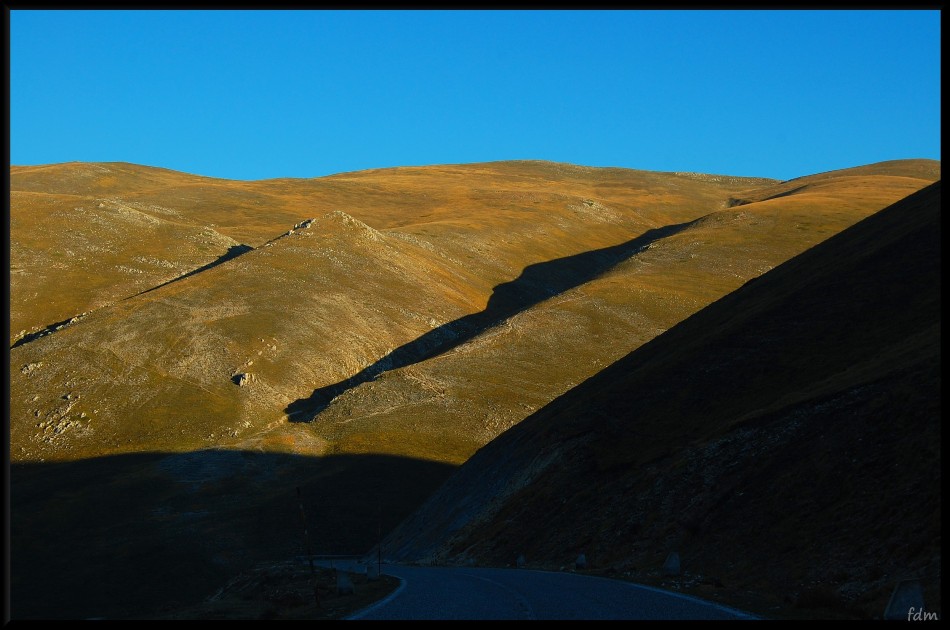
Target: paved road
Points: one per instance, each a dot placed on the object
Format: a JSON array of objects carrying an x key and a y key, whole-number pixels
[{"x": 480, "y": 593}]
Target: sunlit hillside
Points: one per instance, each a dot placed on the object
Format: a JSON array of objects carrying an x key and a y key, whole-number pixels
[{"x": 206, "y": 346}]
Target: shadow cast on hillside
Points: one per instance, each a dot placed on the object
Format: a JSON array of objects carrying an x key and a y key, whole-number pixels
[
  {"x": 536, "y": 283},
  {"x": 233, "y": 252},
  {"x": 42, "y": 333},
  {"x": 130, "y": 535}
]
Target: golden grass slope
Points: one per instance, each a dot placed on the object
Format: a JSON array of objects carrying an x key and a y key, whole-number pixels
[
  {"x": 334, "y": 305},
  {"x": 86, "y": 235},
  {"x": 313, "y": 306},
  {"x": 448, "y": 405}
]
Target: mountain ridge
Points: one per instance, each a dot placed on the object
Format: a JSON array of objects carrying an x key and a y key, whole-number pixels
[{"x": 217, "y": 316}]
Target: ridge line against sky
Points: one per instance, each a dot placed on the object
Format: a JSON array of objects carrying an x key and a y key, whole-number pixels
[{"x": 263, "y": 94}]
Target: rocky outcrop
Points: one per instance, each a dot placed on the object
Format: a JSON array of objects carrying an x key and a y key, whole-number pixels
[{"x": 243, "y": 379}]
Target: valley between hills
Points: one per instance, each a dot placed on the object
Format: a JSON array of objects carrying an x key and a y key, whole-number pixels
[{"x": 188, "y": 352}]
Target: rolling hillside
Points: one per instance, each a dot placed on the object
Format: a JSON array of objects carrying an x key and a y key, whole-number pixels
[
  {"x": 784, "y": 441},
  {"x": 206, "y": 346}
]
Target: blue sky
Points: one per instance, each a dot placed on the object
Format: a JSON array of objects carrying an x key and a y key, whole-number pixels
[{"x": 262, "y": 94}]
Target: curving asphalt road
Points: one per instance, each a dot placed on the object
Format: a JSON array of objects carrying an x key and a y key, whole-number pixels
[{"x": 480, "y": 594}]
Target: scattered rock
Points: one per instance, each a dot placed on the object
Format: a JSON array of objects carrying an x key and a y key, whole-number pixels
[
  {"x": 30, "y": 367},
  {"x": 243, "y": 379}
]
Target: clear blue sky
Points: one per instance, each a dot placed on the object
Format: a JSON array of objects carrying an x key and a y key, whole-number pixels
[{"x": 261, "y": 94}]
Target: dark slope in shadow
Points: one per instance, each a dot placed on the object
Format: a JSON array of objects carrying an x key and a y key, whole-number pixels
[
  {"x": 233, "y": 252},
  {"x": 131, "y": 535},
  {"x": 536, "y": 283},
  {"x": 784, "y": 436}
]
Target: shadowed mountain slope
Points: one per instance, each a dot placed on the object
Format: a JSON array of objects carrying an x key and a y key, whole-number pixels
[
  {"x": 412, "y": 312},
  {"x": 134, "y": 536},
  {"x": 785, "y": 440}
]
